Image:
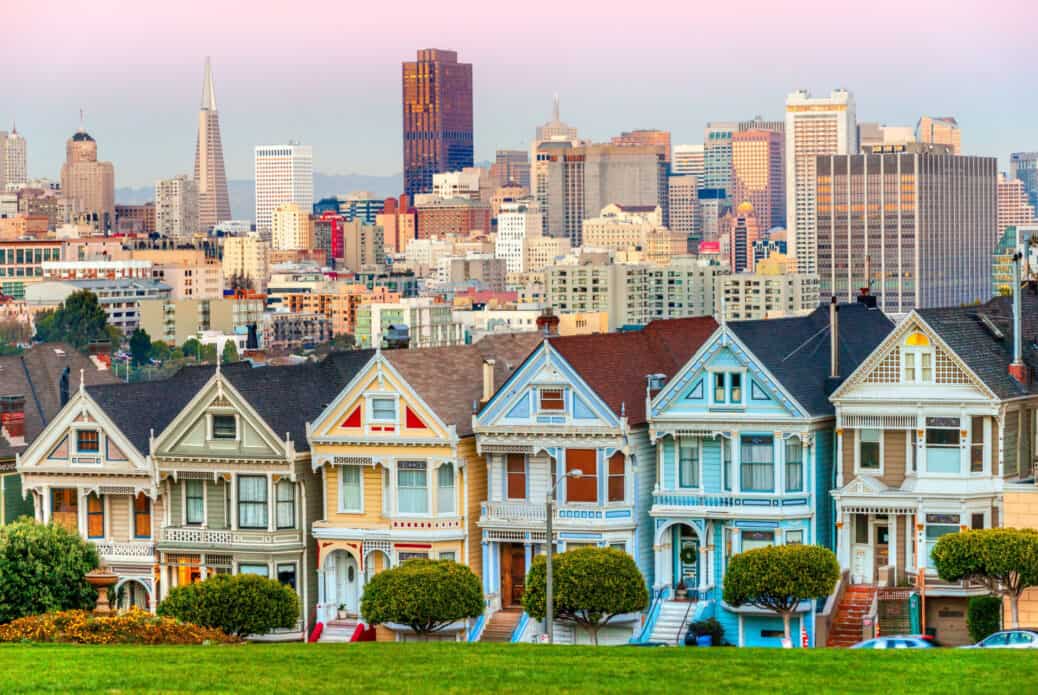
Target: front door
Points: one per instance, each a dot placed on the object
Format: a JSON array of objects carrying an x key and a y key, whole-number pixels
[
  {"x": 882, "y": 536},
  {"x": 343, "y": 582},
  {"x": 862, "y": 568},
  {"x": 687, "y": 560},
  {"x": 518, "y": 574}
]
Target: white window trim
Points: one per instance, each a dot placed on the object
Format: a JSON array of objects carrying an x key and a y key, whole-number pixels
[
  {"x": 453, "y": 489},
  {"x": 726, "y": 404},
  {"x": 964, "y": 453},
  {"x": 210, "y": 433},
  {"x": 566, "y": 402},
  {"x": 338, "y": 505},
  {"x": 986, "y": 453},
  {"x": 882, "y": 453},
  {"x": 74, "y": 444},
  {"x": 526, "y": 479},
  {"x": 369, "y": 410},
  {"x": 801, "y": 531},
  {"x": 698, "y": 446},
  {"x": 183, "y": 504},
  {"x": 429, "y": 485},
  {"x": 915, "y": 354}
]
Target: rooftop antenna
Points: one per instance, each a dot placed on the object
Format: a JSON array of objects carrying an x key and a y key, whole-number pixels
[
  {"x": 82, "y": 129},
  {"x": 555, "y": 107}
]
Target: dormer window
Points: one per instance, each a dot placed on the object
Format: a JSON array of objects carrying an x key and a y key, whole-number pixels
[
  {"x": 383, "y": 409},
  {"x": 225, "y": 427},
  {"x": 88, "y": 441},
  {"x": 917, "y": 358},
  {"x": 727, "y": 388},
  {"x": 552, "y": 400}
]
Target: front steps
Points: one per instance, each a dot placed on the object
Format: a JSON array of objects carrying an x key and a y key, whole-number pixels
[
  {"x": 850, "y": 615},
  {"x": 672, "y": 622},
  {"x": 501, "y": 625},
  {"x": 339, "y": 630}
]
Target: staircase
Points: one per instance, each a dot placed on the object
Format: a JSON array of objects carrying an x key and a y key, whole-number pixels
[
  {"x": 501, "y": 625},
  {"x": 853, "y": 608},
  {"x": 339, "y": 630},
  {"x": 672, "y": 622}
]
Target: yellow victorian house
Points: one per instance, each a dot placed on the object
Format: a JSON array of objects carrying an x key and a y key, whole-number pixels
[{"x": 399, "y": 468}]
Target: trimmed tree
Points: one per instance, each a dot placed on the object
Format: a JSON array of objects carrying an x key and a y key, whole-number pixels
[
  {"x": 78, "y": 321},
  {"x": 242, "y": 605},
  {"x": 779, "y": 577},
  {"x": 230, "y": 352},
  {"x": 42, "y": 569},
  {"x": 590, "y": 587},
  {"x": 425, "y": 595},
  {"x": 1004, "y": 560},
  {"x": 140, "y": 346}
]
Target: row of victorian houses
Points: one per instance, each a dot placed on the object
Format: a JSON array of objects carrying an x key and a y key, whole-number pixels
[{"x": 694, "y": 441}]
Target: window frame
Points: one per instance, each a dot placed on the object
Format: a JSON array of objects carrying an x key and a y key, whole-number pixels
[
  {"x": 561, "y": 400},
  {"x": 787, "y": 444},
  {"x": 342, "y": 508},
  {"x": 265, "y": 573},
  {"x": 730, "y": 388},
  {"x": 587, "y": 479},
  {"x": 214, "y": 436},
  {"x": 284, "y": 484},
  {"x": 612, "y": 477},
  {"x": 452, "y": 490},
  {"x": 697, "y": 465},
  {"x": 295, "y": 574},
  {"x": 743, "y": 486},
  {"x": 424, "y": 468},
  {"x": 981, "y": 446},
  {"x": 956, "y": 429},
  {"x": 95, "y": 513},
  {"x": 859, "y": 440},
  {"x": 512, "y": 475},
  {"x": 97, "y": 440},
  {"x": 242, "y": 504},
  {"x": 138, "y": 514},
  {"x": 187, "y": 502},
  {"x": 371, "y": 417}
]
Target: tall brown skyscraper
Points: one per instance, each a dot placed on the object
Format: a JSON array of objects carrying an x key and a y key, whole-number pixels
[
  {"x": 87, "y": 184},
  {"x": 437, "y": 117},
  {"x": 213, "y": 203}
]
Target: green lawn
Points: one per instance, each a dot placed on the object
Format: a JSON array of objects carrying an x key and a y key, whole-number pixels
[{"x": 528, "y": 669}]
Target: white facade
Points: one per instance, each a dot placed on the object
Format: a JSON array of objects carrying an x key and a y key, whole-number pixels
[
  {"x": 814, "y": 126},
  {"x": 176, "y": 207},
  {"x": 689, "y": 160},
  {"x": 458, "y": 184},
  {"x": 290, "y": 228},
  {"x": 12, "y": 160},
  {"x": 284, "y": 174},
  {"x": 685, "y": 216},
  {"x": 517, "y": 222}
]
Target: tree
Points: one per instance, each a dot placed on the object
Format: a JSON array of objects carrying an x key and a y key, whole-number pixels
[
  {"x": 14, "y": 332},
  {"x": 1005, "y": 560},
  {"x": 43, "y": 568},
  {"x": 983, "y": 616},
  {"x": 779, "y": 577},
  {"x": 79, "y": 321},
  {"x": 590, "y": 587},
  {"x": 140, "y": 347},
  {"x": 242, "y": 605},
  {"x": 426, "y": 595},
  {"x": 160, "y": 350},
  {"x": 230, "y": 352},
  {"x": 192, "y": 348}
]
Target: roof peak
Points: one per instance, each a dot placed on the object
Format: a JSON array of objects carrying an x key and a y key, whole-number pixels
[{"x": 208, "y": 91}]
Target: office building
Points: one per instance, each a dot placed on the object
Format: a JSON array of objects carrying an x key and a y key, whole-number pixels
[
  {"x": 713, "y": 205},
  {"x": 134, "y": 220},
  {"x": 939, "y": 130},
  {"x": 248, "y": 257},
  {"x": 683, "y": 201},
  {"x": 554, "y": 130},
  {"x": 363, "y": 246},
  {"x": 689, "y": 160},
  {"x": 359, "y": 205},
  {"x": 328, "y": 235},
  {"x": 338, "y": 302},
  {"x": 540, "y": 252},
  {"x": 651, "y": 138},
  {"x": 399, "y": 224},
  {"x": 173, "y": 321},
  {"x": 814, "y": 126},
  {"x": 717, "y": 155},
  {"x": 916, "y": 224},
  {"x": 1024, "y": 166},
  {"x": 517, "y": 223},
  {"x": 760, "y": 123},
  {"x": 767, "y": 294},
  {"x": 634, "y": 229},
  {"x": 284, "y": 174},
  {"x": 480, "y": 270},
  {"x": 874, "y": 134},
  {"x": 440, "y": 217},
  {"x": 13, "y": 167},
  {"x": 87, "y": 184},
  {"x": 291, "y": 228},
  {"x": 467, "y": 183},
  {"x": 741, "y": 231},
  {"x": 120, "y": 298},
  {"x": 758, "y": 175},
  {"x": 177, "y": 208},
  {"x": 189, "y": 272},
  {"x": 437, "y": 104},
  {"x": 214, "y": 205},
  {"x": 1014, "y": 207}
]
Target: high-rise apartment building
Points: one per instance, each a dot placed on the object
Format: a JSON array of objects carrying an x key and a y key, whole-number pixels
[
  {"x": 689, "y": 160},
  {"x": 437, "y": 102},
  {"x": 939, "y": 130},
  {"x": 657, "y": 138},
  {"x": 1024, "y": 166},
  {"x": 87, "y": 184},
  {"x": 683, "y": 200},
  {"x": 914, "y": 223},
  {"x": 814, "y": 126},
  {"x": 1014, "y": 208},
  {"x": 177, "y": 208},
  {"x": 717, "y": 155},
  {"x": 284, "y": 174},
  {"x": 291, "y": 228},
  {"x": 517, "y": 222},
  {"x": 247, "y": 256},
  {"x": 214, "y": 205},
  {"x": 758, "y": 175},
  {"x": 13, "y": 168},
  {"x": 399, "y": 223},
  {"x": 363, "y": 246}
]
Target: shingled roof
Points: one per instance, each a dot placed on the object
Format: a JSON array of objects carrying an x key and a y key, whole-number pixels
[
  {"x": 964, "y": 331},
  {"x": 615, "y": 365},
  {"x": 796, "y": 350},
  {"x": 450, "y": 379}
]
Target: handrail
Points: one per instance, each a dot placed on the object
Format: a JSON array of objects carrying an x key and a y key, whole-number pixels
[
  {"x": 658, "y": 595},
  {"x": 684, "y": 620},
  {"x": 520, "y": 627},
  {"x": 477, "y": 629}
]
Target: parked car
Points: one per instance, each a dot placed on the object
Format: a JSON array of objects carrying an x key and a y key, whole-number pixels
[
  {"x": 898, "y": 642},
  {"x": 1021, "y": 638}
]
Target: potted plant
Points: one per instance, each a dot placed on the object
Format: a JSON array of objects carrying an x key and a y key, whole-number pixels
[
  {"x": 679, "y": 591},
  {"x": 705, "y": 633},
  {"x": 342, "y": 615}
]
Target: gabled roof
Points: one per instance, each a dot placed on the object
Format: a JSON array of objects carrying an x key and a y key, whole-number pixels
[
  {"x": 796, "y": 350},
  {"x": 964, "y": 331},
  {"x": 450, "y": 379},
  {"x": 615, "y": 365}
]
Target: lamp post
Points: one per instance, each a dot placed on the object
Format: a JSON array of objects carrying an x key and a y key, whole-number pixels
[{"x": 549, "y": 618}]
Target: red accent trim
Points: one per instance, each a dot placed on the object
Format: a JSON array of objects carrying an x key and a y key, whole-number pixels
[
  {"x": 315, "y": 634},
  {"x": 412, "y": 421},
  {"x": 425, "y": 546},
  {"x": 353, "y": 419}
]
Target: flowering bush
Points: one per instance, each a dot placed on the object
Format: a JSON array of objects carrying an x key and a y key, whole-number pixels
[{"x": 133, "y": 627}]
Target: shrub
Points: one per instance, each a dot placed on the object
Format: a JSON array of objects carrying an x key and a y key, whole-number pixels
[
  {"x": 711, "y": 627},
  {"x": 591, "y": 586},
  {"x": 426, "y": 595},
  {"x": 43, "y": 568},
  {"x": 983, "y": 616},
  {"x": 244, "y": 604},
  {"x": 133, "y": 627}
]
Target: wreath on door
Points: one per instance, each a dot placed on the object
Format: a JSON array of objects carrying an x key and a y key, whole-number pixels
[{"x": 688, "y": 555}]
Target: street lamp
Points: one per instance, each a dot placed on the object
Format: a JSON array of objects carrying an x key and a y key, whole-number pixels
[{"x": 549, "y": 618}]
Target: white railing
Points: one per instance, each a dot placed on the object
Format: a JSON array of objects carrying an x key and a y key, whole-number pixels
[
  {"x": 125, "y": 552},
  {"x": 533, "y": 513},
  {"x": 228, "y": 537}
]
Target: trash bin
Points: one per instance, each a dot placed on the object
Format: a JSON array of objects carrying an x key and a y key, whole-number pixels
[{"x": 704, "y": 641}]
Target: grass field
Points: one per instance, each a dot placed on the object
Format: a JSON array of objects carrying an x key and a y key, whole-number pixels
[{"x": 475, "y": 668}]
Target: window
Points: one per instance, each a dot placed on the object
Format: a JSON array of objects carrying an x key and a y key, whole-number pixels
[
  {"x": 287, "y": 573},
  {"x": 942, "y": 445},
  {"x": 584, "y": 488},
  {"x": 977, "y": 521},
  {"x": 917, "y": 359},
  {"x": 412, "y": 487},
  {"x": 728, "y": 388},
  {"x": 720, "y": 394},
  {"x": 794, "y": 466},
  {"x": 194, "y": 502},
  {"x": 516, "y": 473},
  {"x": 252, "y": 501},
  {"x": 726, "y": 462},
  {"x": 552, "y": 399},
  {"x": 977, "y": 444},
  {"x": 758, "y": 469},
  {"x": 286, "y": 504},
  {"x": 688, "y": 465},
  {"x": 445, "y": 489},
  {"x": 869, "y": 450},
  {"x": 861, "y": 528},
  {"x": 260, "y": 570},
  {"x": 450, "y": 555},
  {"x": 141, "y": 516},
  {"x": 88, "y": 441},
  {"x": 95, "y": 516},
  {"x": 999, "y": 639},
  {"x": 751, "y": 540},
  {"x": 735, "y": 390},
  {"x": 938, "y": 525},
  {"x": 795, "y": 537},
  {"x": 1020, "y": 638},
  {"x": 225, "y": 427},
  {"x": 404, "y": 557},
  {"x": 349, "y": 489},
  {"x": 616, "y": 477},
  {"x": 383, "y": 409}
]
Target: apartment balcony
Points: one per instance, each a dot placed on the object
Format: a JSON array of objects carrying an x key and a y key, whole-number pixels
[
  {"x": 529, "y": 514},
  {"x": 134, "y": 552},
  {"x": 227, "y": 539},
  {"x": 729, "y": 504}
]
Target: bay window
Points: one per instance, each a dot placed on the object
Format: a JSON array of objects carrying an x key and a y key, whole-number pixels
[
  {"x": 794, "y": 466},
  {"x": 350, "y": 489},
  {"x": 942, "y": 445},
  {"x": 445, "y": 489},
  {"x": 758, "y": 464},
  {"x": 616, "y": 482},
  {"x": 252, "y": 501},
  {"x": 286, "y": 504},
  {"x": 194, "y": 502},
  {"x": 938, "y": 525},
  {"x": 688, "y": 465},
  {"x": 584, "y": 488},
  {"x": 412, "y": 487}
]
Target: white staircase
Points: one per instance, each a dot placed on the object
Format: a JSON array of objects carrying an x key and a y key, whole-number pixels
[
  {"x": 672, "y": 622},
  {"x": 338, "y": 630}
]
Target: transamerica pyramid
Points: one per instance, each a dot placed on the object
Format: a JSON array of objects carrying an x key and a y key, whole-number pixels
[{"x": 213, "y": 203}]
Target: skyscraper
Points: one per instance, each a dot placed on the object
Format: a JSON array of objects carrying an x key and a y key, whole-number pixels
[
  {"x": 12, "y": 159},
  {"x": 87, "y": 184},
  {"x": 717, "y": 158},
  {"x": 814, "y": 126},
  {"x": 940, "y": 130},
  {"x": 176, "y": 208},
  {"x": 758, "y": 175},
  {"x": 554, "y": 131},
  {"x": 437, "y": 100},
  {"x": 284, "y": 174},
  {"x": 1014, "y": 209},
  {"x": 660, "y": 138},
  {"x": 210, "y": 177},
  {"x": 683, "y": 199},
  {"x": 689, "y": 160},
  {"x": 1024, "y": 166},
  {"x": 920, "y": 219}
]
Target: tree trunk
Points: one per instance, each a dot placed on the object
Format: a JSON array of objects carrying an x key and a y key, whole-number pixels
[
  {"x": 594, "y": 633},
  {"x": 1014, "y": 609},
  {"x": 785, "y": 626}
]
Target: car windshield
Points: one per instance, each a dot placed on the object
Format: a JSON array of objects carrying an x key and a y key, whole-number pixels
[{"x": 996, "y": 640}]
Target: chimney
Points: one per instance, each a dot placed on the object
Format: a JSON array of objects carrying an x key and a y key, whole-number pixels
[
  {"x": 12, "y": 418},
  {"x": 63, "y": 386},
  {"x": 548, "y": 322},
  {"x": 488, "y": 379},
  {"x": 834, "y": 340},
  {"x": 1017, "y": 370}
]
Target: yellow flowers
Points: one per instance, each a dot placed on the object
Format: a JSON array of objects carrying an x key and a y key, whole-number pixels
[{"x": 132, "y": 627}]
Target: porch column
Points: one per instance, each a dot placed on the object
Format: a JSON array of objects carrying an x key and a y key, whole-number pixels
[
  {"x": 843, "y": 538},
  {"x": 234, "y": 502},
  {"x": 704, "y": 558},
  {"x": 528, "y": 547},
  {"x": 892, "y": 542},
  {"x": 271, "y": 505},
  {"x": 81, "y": 496}
]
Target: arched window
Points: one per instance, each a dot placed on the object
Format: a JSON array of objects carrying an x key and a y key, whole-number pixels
[{"x": 917, "y": 359}]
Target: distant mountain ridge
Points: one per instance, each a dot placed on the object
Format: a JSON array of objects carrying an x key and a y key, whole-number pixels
[{"x": 243, "y": 191}]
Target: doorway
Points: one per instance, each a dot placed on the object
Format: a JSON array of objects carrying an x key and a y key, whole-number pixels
[
  {"x": 686, "y": 557},
  {"x": 513, "y": 574},
  {"x": 343, "y": 582}
]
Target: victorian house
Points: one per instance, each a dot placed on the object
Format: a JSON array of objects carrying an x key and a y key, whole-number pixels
[
  {"x": 400, "y": 475},
  {"x": 932, "y": 429},
  {"x": 744, "y": 437},
  {"x": 572, "y": 419}
]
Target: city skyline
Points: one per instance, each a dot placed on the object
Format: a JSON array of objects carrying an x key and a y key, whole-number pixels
[{"x": 676, "y": 78}]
